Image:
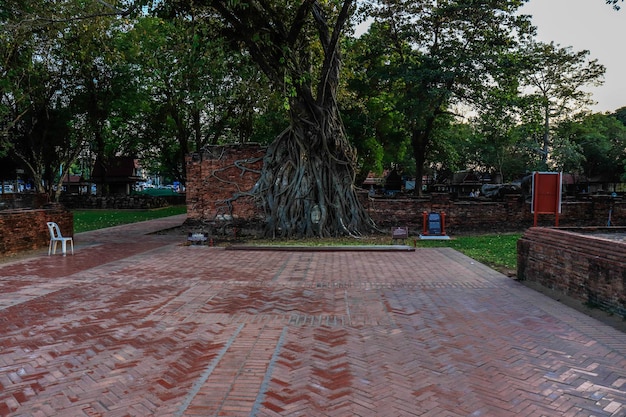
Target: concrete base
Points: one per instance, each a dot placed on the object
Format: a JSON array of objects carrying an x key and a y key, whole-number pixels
[
  {"x": 349, "y": 248},
  {"x": 434, "y": 237}
]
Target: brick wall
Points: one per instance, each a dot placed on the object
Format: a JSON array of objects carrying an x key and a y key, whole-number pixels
[
  {"x": 484, "y": 216},
  {"x": 24, "y": 230},
  {"x": 214, "y": 176},
  {"x": 588, "y": 268},
  {"x": 219, "y": 173},
  {"x": 460, "y": 216}
]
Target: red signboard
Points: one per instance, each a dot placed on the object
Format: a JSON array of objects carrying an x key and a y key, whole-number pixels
[{"x": 547, "y": 194}]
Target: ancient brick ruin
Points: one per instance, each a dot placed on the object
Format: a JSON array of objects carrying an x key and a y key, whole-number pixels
[
  {"x": 219, "y": 180},
  {"x": 25, "y": 230}
]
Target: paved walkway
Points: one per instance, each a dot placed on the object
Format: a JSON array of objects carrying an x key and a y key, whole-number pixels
[{"x": 141, "y": 325}]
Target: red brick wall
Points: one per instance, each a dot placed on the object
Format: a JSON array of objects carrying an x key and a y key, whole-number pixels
[
  {"x": 588, "y": 268},
  {"x": 220, "y": 172},
  {"x": 460, "y": 216},
  {"x": 24, "y": 230}
]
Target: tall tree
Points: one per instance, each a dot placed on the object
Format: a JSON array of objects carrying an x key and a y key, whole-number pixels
[
  {"x": 306, "y": 186},
  {"x": 374, "y": 124},
  {"x": 504, "y": 124},
  {"x": 16, "y": 45},
  {"x": 554, "y": 78},
  {"x": 99, "y": 77}
]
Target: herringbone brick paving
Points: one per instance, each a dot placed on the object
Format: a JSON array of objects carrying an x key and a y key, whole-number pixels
[{"x": 139, "y": 324}]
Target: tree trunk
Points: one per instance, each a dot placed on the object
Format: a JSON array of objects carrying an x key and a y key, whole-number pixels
[
  {"x": 546, "y": 136},
  {"x": 420, "y": 140},
  {"x": 307, "y": 183}
]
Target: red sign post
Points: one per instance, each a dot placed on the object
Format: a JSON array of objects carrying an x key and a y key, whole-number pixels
[{"x": 546, "y": 194}]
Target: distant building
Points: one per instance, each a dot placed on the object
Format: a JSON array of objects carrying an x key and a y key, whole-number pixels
[
  {"x": 117, "y": 175},
  {"x": 75, "y": 184}
]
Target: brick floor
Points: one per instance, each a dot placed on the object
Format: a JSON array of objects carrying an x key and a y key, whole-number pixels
[{"x": 138, "y": 324}]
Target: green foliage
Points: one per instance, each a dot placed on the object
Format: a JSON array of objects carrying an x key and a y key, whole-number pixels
[
  {"x": 85, "y": 220},
  {"x": 554, "y": 78},
  {"x": 199, "y": 89},
  {"x": 80, "y": 77},
  {"x": 420, "y": 58},
  {"x": 620, "y": 114},
  {"x": 592, "y": 145}
]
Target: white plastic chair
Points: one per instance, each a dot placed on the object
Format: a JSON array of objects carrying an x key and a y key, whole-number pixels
[{"x": 56, "y": 237}]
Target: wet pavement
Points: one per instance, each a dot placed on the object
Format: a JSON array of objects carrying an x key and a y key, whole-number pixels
[{"x": 140, "y": 324}]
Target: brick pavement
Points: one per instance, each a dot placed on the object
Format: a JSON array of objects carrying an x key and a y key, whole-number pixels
[{"x": 141, "y": 325}]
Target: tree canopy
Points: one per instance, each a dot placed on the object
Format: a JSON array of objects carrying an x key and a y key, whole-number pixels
[{"x": 429, "y": 57}]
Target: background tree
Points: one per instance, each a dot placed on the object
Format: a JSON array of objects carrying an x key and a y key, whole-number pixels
[
  {"x": 40, "y": 127},
  {"x": 507, "y": 125},
  {"x": 434, "y": 55},
  {"x": 593, "y": 146},
  {"x": 16, "y": 46},
  {"x": 373, "y": 125},
  {"x": 554, "y": 78},
  {"x": 101, "y": 83},
  {"x": 200, "y": 89}
]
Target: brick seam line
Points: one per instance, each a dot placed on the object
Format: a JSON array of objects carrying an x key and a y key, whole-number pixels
[
  {"x": 282, "y": 268},
  {"x": 206, "y": 374},
  {"x": 268, "y": 374}
]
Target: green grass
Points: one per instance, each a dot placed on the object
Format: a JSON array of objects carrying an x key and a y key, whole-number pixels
[
  {"x": 85, "y": 220},
  {"x": 498, "y": 251}
]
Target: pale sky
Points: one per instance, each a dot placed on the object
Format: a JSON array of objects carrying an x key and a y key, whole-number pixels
[{"x": 592, "y": 25}]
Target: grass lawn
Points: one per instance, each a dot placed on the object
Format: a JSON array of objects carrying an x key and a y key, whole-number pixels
[
  {"x": 85, "y": 220},
  {"x": 498, "y": 251}
]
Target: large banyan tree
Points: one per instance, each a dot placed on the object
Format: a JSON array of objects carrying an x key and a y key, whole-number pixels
[{"x": 307, "y": 183}]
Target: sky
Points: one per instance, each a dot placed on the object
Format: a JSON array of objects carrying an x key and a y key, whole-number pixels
[{"x": 592, "y": 25}]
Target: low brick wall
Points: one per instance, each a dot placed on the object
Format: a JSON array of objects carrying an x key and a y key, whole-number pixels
[
  {"x": 512, "y": 214},
  {"x": 460, "y": 216},
  {"x": 120, "y": 202},
  {"x": 24, "y": 230},
  {"x": 576, "y": 263},
  {"x": 15, "y": 201}
]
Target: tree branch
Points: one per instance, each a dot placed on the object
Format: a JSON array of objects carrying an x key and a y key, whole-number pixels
[
  {"x": 299, "y": 21},
  {"x": 330, "y": 43}
]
